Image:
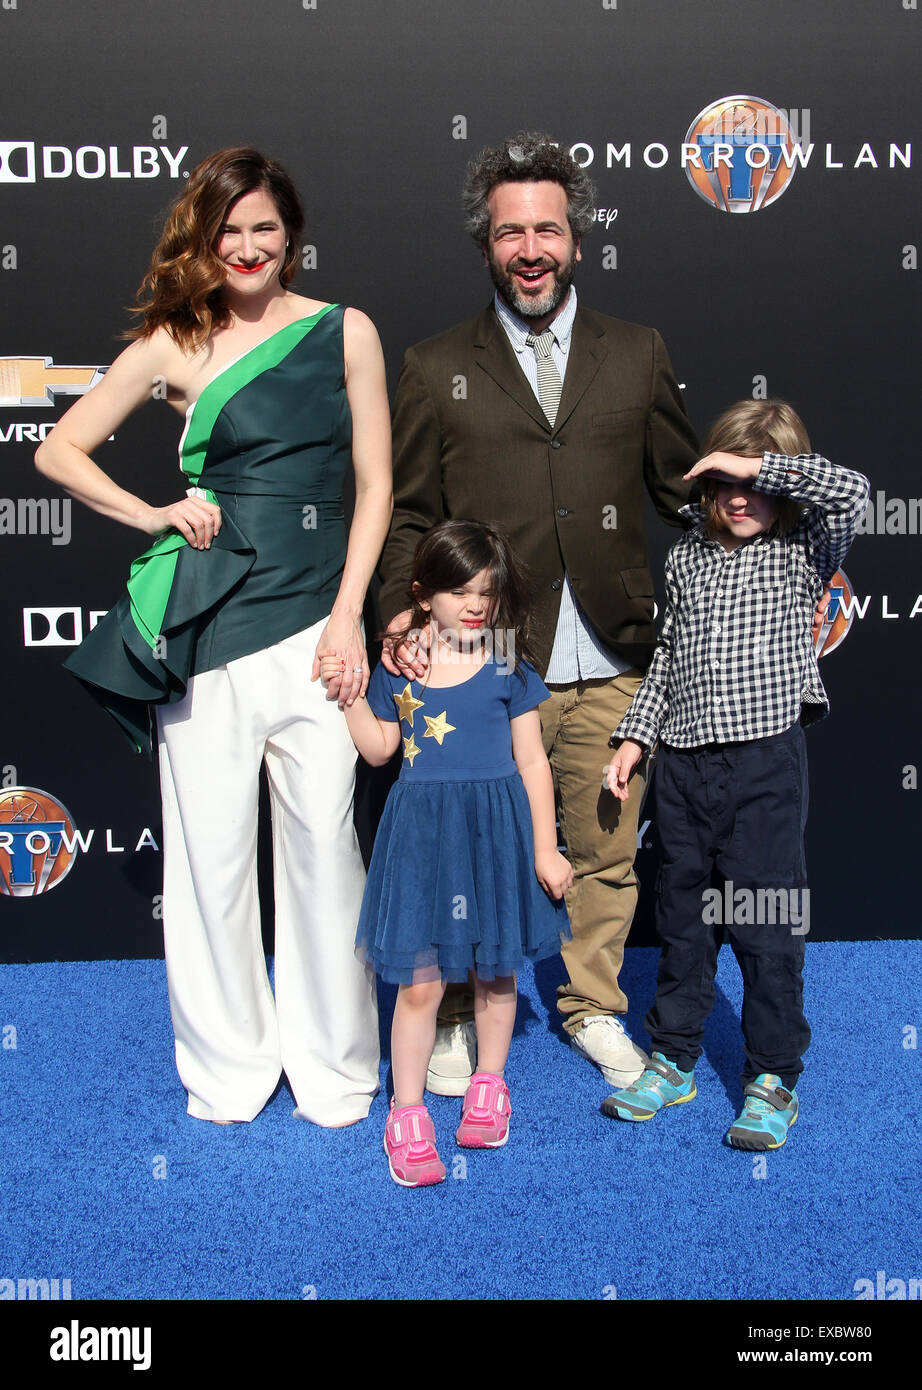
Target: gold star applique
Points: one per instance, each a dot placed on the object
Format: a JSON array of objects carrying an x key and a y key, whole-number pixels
[
  {"x": 438, "y": 728},
  {"x": 406, "y": 705},
  {"x": 411, "y": 749}
]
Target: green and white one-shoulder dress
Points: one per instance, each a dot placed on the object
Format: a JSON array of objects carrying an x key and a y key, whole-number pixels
[{"x": 270, "y": 441}]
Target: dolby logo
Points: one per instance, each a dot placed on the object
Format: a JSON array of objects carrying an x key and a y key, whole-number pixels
[
  {"x": 57, "y": 627},
  {"x": 22, "y": 161}
]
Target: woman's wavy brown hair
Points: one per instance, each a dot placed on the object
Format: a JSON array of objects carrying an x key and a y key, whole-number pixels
[
  {"x": 750, "y": 428},
  {"x": 183, "y": 290}
]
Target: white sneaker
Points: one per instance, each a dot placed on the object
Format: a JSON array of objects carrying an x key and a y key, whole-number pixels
[
  {"x": 452, "y": 1062},
  {"x": 603, "y": 1040}
]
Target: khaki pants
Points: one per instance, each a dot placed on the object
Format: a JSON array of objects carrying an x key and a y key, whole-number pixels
[
  {"x": 601, "y": 837},
  {"x": 600, "y": 833}
]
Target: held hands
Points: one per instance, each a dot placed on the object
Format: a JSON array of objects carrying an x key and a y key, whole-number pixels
[
  {"x": 341, "y": 661},
  {"x": 411, "y": 656},
  {"x": 735, "y": 467},
  {"x": 196, "y": 519},
  {"x": 618, "y": 772},
  {"x": 553, "y": 872},
  {"x": 331, "y": 667}
]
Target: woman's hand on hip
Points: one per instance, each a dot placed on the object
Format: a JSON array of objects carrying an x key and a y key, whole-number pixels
[{"x": 196, "y": 519}]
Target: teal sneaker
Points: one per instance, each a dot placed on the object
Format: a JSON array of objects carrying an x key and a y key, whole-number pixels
[
  {"x": 768, "y": 1113},
  {"x": 661, "y": 1084}
]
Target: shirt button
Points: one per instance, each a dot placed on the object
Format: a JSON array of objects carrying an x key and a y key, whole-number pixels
[
  {"x": 555, "y": 584},
  {"x": 555, "y": 443},
  {"x": 717, "y": 627},
  {"x": 563, "y": 511}
]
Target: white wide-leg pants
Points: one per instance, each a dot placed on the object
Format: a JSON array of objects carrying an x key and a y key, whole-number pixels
[{"x": 233, "y": 1039}]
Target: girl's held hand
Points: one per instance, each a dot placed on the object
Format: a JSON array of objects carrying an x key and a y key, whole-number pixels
[
  {"x": 332, "y": 666},
  {"x": 342, "y": 638},
  {"x": 619, "y": 770},
  {"x": 196, "y": 519},
  {"x": 554, "y": 873}
]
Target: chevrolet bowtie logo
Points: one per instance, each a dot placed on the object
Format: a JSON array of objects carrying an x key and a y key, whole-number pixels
[{"x": 34, "y": 381}]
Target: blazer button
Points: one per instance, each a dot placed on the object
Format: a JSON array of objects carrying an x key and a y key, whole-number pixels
[
  {"x": 563, "y": 511},
  {"x": 556, "y": 584},
  {"x": 555, "y": 443}
]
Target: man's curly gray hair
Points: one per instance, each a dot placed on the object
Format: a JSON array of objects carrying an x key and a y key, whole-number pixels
[{"x": 530, "y": 156}]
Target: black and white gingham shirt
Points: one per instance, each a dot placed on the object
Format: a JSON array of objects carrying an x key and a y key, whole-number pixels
[{"x": 735, "y": 659}]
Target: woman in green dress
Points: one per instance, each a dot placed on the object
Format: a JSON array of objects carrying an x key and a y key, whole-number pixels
[{"x": 252, "y": 577}]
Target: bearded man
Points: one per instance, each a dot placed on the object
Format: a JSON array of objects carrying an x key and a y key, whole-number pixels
[{"x": 549, "y": 419}]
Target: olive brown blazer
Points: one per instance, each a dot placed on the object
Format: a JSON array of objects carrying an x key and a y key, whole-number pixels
[{"x": 472, "y": 442}]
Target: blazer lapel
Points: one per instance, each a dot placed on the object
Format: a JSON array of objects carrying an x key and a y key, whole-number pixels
[
  {"x": 586, "y": 355},
  {"x": 495, "y": 355}
]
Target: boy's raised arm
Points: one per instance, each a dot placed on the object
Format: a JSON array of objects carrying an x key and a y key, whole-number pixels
[{"x": 837, "y": 498}]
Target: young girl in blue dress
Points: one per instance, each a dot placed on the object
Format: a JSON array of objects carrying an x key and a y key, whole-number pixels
[{"x": 465, "y": 874}]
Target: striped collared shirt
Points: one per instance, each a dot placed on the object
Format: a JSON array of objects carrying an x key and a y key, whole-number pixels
[
  {"x": 577, "y": 653},
  {"x": 735, "y": 659}
]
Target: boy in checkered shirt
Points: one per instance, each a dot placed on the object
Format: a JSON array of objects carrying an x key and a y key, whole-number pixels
[{"x": 733, "y": 681}]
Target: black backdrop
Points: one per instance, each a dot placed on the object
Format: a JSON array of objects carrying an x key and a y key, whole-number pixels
[{"x": 375, "y": 109}]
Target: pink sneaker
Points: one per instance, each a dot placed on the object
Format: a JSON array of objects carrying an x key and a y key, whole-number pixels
[
  {"x": 485, "y": 1113},
  {"x": 409, "y": 1142}
]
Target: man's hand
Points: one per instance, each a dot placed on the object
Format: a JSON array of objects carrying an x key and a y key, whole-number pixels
[
  {"x": 619, "y": 770},
  {"x": 410, "y": 656}
]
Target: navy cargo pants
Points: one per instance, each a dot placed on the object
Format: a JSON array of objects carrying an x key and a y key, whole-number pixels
[{"x": 730, "y": 823}]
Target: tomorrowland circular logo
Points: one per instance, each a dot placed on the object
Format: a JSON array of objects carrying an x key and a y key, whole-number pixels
[
  {"x": 744, "y": 154},
  {"x": 838, "y": 616},
  {"x": 37, "y": 842}
]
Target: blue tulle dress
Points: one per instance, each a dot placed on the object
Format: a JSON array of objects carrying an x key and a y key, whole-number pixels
[{"x": 451, "y": 885}]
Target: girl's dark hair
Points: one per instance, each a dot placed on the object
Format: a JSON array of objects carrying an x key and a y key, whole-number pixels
[
  {"x": 754, "y": 427},
  {"x": 183, "y": 291},
  {"x": 451, "y": 554}
]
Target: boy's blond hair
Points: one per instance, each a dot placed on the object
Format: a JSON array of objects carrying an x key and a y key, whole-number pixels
[{"x": 754, "y": 427}]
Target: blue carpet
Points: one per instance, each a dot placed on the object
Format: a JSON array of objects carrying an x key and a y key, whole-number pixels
[{"x": 106, "y": 1181}]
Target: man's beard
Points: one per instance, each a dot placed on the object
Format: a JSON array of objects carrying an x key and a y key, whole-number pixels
[{"x": 533, "y": 306}]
